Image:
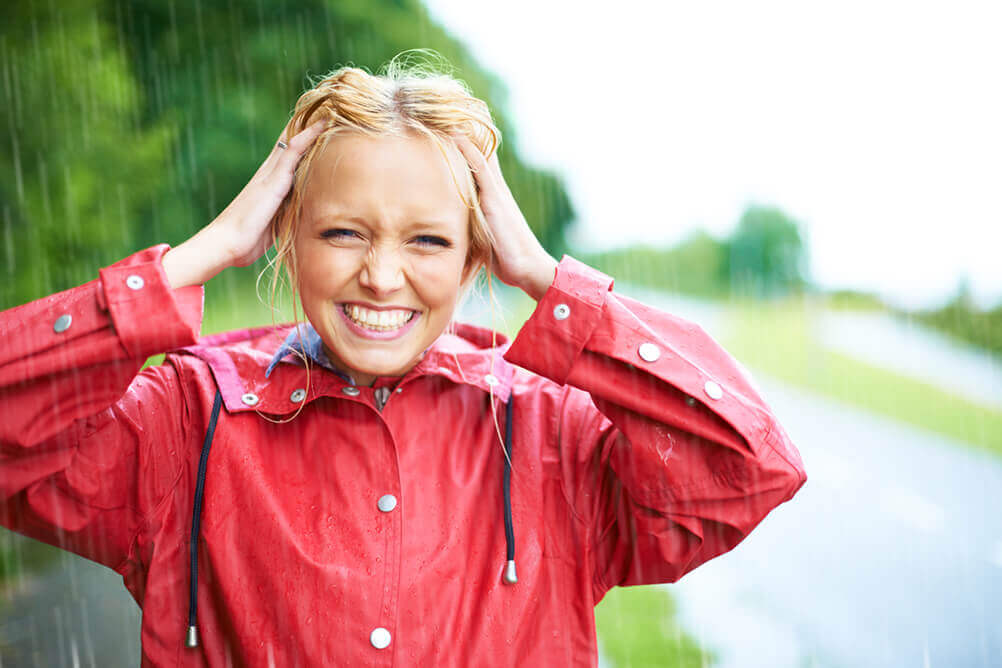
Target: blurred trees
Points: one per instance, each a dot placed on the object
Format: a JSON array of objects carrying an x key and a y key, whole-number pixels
[
  {"x": 133, "y": 123},
  {"x": 764, "y": 256},
  {"x": 962, "y": 319}
]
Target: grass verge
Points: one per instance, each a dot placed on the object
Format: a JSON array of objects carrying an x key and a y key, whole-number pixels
[
  {"x": 638, "y": 627},
  {"x": 777, "y": 339}
]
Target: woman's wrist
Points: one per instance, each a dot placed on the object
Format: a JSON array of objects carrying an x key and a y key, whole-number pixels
[
  {"x": 538, "y": 280},
  {"x": 195, "y": 261}
]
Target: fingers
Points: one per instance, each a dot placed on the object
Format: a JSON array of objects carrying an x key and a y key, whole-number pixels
[
  {"x": 486, "y": 174},
  {"x": 289, "y": 157}
]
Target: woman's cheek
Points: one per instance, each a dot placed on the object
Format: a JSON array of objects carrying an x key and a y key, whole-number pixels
[{"x": 437, "y": 277}]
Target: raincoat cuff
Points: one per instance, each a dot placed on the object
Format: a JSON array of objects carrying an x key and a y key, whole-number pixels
[
  {"x": 563, "y": 322},
  {"x": 148, "y": 315}
]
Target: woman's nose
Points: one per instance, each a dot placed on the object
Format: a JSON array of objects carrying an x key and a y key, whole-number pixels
[{"x": 382, "y": 272}]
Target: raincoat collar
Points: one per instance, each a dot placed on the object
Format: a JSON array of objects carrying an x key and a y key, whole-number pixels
[
  {"x": 305, "y": 340},
  {"x": 243, "y": 366}
]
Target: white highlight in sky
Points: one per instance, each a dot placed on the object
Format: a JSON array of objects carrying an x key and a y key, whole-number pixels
[{"x": 875, "y": 124}]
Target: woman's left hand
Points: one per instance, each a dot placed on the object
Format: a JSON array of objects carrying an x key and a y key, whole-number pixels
[{"x": 519, "y": 259}]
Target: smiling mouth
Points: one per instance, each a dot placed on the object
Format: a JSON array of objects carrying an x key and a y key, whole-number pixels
[{"x": 377, "y": 321}]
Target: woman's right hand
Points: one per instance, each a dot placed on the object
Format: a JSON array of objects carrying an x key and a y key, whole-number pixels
[{"x": 240, "y": 234}]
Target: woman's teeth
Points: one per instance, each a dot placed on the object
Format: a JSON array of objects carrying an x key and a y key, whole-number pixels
[{"x": 381, "y": 321}]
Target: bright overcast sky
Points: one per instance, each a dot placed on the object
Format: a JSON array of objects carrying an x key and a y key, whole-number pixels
[{"x": 878, "y": 125}]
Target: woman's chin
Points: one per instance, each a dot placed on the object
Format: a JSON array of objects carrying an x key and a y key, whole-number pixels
[{"x": 374, "y": 365}]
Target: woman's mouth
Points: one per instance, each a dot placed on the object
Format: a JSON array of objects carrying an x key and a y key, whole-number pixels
[{"x": 377, "y": 324}]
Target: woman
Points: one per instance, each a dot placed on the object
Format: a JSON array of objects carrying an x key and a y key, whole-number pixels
[{"x": 359, "y": 489}]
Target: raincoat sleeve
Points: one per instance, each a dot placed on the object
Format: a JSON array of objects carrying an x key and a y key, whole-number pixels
[
  {"x": 668, "y": 457},
  {"x": 84, "y": 434}
]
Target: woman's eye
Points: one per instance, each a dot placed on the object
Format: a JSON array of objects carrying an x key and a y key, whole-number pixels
[
  {"x": 431, "y": 240},
  {"x": 339, "y": 233}
]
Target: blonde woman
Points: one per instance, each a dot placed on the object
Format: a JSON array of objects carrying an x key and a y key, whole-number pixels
[{"x": 378, "y": 485}]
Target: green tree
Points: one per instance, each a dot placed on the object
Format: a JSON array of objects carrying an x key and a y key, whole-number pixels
[
  {"x": 766, "y": 254},
  {"x": 133, "y": 123}
]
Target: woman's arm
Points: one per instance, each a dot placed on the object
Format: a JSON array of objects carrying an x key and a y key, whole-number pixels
[
  {"x": 668, "y": 456},
  {"x": 85, "y": 441}
]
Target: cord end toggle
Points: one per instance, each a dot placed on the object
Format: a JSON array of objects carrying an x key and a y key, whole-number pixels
[{"x": 509, "y": 572}]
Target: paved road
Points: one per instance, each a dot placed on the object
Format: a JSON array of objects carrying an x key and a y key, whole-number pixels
[
  {"x": 75, "y": 614},
  {"x": 891, "y": 555}
]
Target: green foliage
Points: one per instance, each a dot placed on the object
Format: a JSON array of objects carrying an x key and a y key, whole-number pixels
[
  {"x": 963, "y": 320},
  {"x": 134, "y": 123},
  {"x": 854, "y": 300},
  {"x": 697, "y": 266},
  {"x": 764, "y": 257},
  {"x": 766, "y": 254},
  {"x": 638, "y": 627}
]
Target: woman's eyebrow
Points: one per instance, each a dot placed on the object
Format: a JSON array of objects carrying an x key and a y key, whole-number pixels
[
  {"x": 337, "y": 216},
  {"x": 418, "y": 224}
]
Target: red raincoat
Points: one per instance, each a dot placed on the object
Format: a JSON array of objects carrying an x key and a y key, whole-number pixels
[{"x": 360, "y": 534}]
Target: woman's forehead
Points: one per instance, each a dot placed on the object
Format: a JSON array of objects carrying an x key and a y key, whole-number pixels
[{"x": 359, "y": 175}]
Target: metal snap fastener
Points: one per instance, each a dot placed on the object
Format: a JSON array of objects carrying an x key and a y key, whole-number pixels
[
  {"x": 351, "y": 391},
  {"x": 297, "y": 395},
  {"x": 561, "y": 311},
  {"x": 250, "y": 399},
  {"x": 713, "y": 390},
  {"x": 649, "y": 352},
  {"x": 690, "y": 401},
  {"x": 135, "y": 282},
  {"x": 386, "y": 503},
  {"x": 399, "y": 390},
  {"x": 380, "y": 638},
  {"x": 62, "y": 323},
  {"x": 491, "y": 379}
]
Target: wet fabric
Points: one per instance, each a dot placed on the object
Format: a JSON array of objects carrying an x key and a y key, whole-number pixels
[{"x": 642, "y": 451}]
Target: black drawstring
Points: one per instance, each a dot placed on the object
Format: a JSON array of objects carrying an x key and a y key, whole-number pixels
[
  {"x": 196, "y": 522},
  {"x": 509, "y": 531}
]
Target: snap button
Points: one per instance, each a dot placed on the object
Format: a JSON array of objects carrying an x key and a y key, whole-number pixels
[
  {"x": 713, "y": 390},
  {"x": 62, "y": 323},
  {"x": 491, "y": 379},
  {"x": 297, "y": 395},
  {"x": 250, "y": 399},
  {"x": 690, "y": 401},
  {"x": 399, "y": 390},
  {"x": 135, "y": 282},
  {"x": 380, "y": 638},
  {"x": 561, "y": 311},
  {"x": 351, "y": 391},
  {"x": 649, "y": 352},
  {"x": 387, "y": 502}
]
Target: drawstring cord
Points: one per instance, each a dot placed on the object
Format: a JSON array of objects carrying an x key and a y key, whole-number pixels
[
  {"x": 510, "y": 576},
  {"x": 509, "y": 531},
  {"x": 196, "y": 523}
]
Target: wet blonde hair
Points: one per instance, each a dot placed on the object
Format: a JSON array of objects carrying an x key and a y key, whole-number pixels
[{"x": 413, "y": 96}]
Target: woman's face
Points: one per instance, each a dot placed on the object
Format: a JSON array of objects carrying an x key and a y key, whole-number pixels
[{"x": 381, "y": 250}]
